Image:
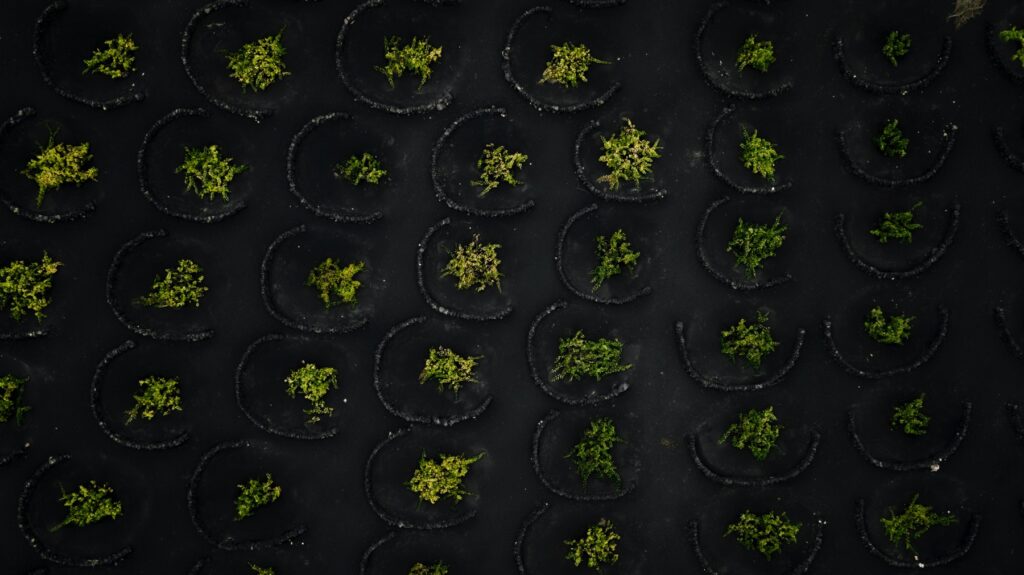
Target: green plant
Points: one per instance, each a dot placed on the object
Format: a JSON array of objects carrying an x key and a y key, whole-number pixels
[
  {"x": 259, "y": 63},
  {"x": 912, "y": 523},
  {"x": 892, "y": 330},
  {"x": 613, "y": 253},
  {"x": 115, "y": 58},
  {"x": 416, "y": 57},
  {"x": 891, "y": 142},
  {"x": 434, "y": 480},
  {"x": 759, "y": 155},
  {"x": 598, "y": 547},
  {"x": 756, "y": 54},
  {"x": 178, "y": 287},
  {"x": 897, "y": 45},
  {"x": 254, "y": 494},
  {"x": 435, "y": 569},
  {"x": 628, "y": 155},
  {"x": 474, "y": 265},
  {"x": 261, "y": 570},
  {"x": 160, "y": 396},
  {"x": 363, "y": 168},
  {"x": 449, "y": 369},
  {"x": 965, "y": 10},
  {"x": 207, "y": 173},
  {"x": 765, "y": 533},
  {"x": 756, "y": 430},
  {"x": 24, "y": 286},
  {"x": 498, "y": 165},
  {"x": 578, "y": 357},
  {"x": 568, "y": 65},
  {"x": 88, "y": 504},
  {"x": 12, "y": 388},
  {"x": 1014, "y": 34},
  {"x": 313, "y": 383},
  {"x": 751, "y": 342},
  {"x": 335, "y": 285},
  {"x": 751, "y": 244},
  {"x": 910, "y": 417},
  {"x": 57, "y": 164},
  {"x": 592, "y": 454},
  {"x": 897, "y": 226}
]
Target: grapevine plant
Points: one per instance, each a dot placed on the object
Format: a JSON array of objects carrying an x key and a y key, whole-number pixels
[
  {"x": 910, "y": 417},
  {"x": 592, "y": 454},
  {"x": 424, "y": 569},
  {"x": 362, "y": 168},
  {"x": 312, "y": 383},
  {"x": 207, "y": 173},
  {"x": 891, "y": 142},
  {"x": 892, "y": 330},
  {"x": 12, "y": 389},
  {"x": 57, "y": 164},
  {"x": 912, "y": 523},
  {"x": 474, "y": 266},
  {"x": 498, "y": 165},
  {"x": 752, "y": 244},
  {"x": 628, "y": 155},
  {"x": 759, "y": 155},
  {"x": 258, "y": 64},
  {"x": 597, "y": 548},
  {"x": 766, "y": 533},
  {"x": 896, "y": 46},
  {"x": 254, "y": 494},
  {"x": 756, "y": 54},
  {"x": 87, "y": 504},
  {"x": 416, "y": 57},
  {"x": 177, "y": 287},
  {"x": 434, "y": 480},
  {"x": 449, "y": 369},
  {"x": 580, "y": 357},
  {"x": 899, "y": 226},
  {"x": 749, "y": 341},
  {"x": 568, "y": 65},
  {"x": 335, "y": 285},
  {"x": 25, "y": 287},
  {"x": 756, "y": 430},
  {"x": 1014, "y": 34},
  {"x": 613, "y": 254},
  {"x": 115, "y": 59},
  {"x": 160, "y": 396}
]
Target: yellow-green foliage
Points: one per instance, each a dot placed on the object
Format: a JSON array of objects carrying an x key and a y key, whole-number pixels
[
  {"x": 160, "y": 396},
  {"x": 628, "y": 155},
  {"x": 363, "y": 168},
  {"x": 207, "y": 173},
  {"x": 498, "y": 165},
  {"x": 24, "y": 286},
  {"x": 758, "y": 55},
  {"x": 765, "y": 533},
  {"x": 116, "y": 58},
  {"x": 313, "y": 383},
  {"x": 335, "y": 285},
  {"x": 12, "y": 389},
  {"x": 259, "y": 64},
  {"x": 88, "y": 504},
  {"x": 449, "y": 369},
  {"x": 57, "y": 164},
  {"x": 178, "y": 287},
  {"x": 254, "y": 494},
  {"x": 434, "y": 480},
  {"x": 415, "y": 57},
  {"x": 750, "y": 341},
  {"x": 599, "y": 547},
  {"x": 578, "y": 357},
  {"x": 475, "y": 266},
  {"x": 568, "y": 65}
]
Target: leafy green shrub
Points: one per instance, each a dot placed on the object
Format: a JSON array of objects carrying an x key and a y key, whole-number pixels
[
  {"x": 497, "y": 165},
  {"x": 898, "y": 226},
  {"x": 910, "y": 417},
  {"x": 751, "y": 244},
  {"x": 578, "y": 357},
  {"x": 592, "y": 454},
  {"x": 364, "y": 168},
  {"x": 751, "y": 342},
  {"x": 313, "y": 383},
  {"x": 435, "y": 569},
  {"x": 568, "y": 65},
  {"x": 259, "y": 64},
  {"x": 891, "y": 142},
  {"x": 335, "y": 285},
  {"x": 449, "y": 369},
  {"x": 474, "y": 265},
  {"x": 965, "y": 10},
  {"x": 897, "y": 45},
  {"x": 892, "y": 330},
  {"x": 416, "y": 57},
  {"x": 207, "y": 173},
  {"x": 178, "y": 287},
  {"x": 1014, "y": 34},
  {"x": 261, "y": 570},
  {"x": 115, "y": 59},
  {"x": 628, "y": 155},
  {"x": 57, "y": 164},
  {"x": 765, "y": 533},
  {"x": 599, "y": 547},
  {"x": 613, "y": 253},
  {"x": 12, "y": 388},
  {"x": 757, "y": 430},
  {"x": 160, "y": 396},
  {"x": 912, "y": 523},
  {"x": 24, "y": 286},
  {"x": 436, "y": 480},
  {"x": 254, "y": 494},
  {"x": 759, "y": 155},
  {"x": 759, "y": 55},
  {"x": 88, "y": 504}
]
